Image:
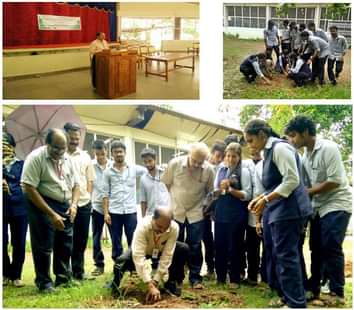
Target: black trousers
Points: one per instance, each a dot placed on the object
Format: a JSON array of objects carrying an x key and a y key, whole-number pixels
[
  {"x": 253, "y": 242},
  {"x": 12, "y": 268},
  {"x": 285, "y": 240},
  {"x": 46, "y": 240},
  {"x": 330, "y": 67},
  {"x": 97, "y": 230},
  {"x": 229, "y": 238},
  {"x": 93, "y": 71},
  {"x": 176, "y": 270},
  {"x": 300, "y": 78},
  {"x": 269, "y": 51},
  {"x": 318, "y": 65},
  {"x": 208, "y": 240},
  {"x": 286, "y": 47},
  {"x": 249, "y": 72},
  {"x": 80, "y": 237},
  {"x": 326, "y": 238}
]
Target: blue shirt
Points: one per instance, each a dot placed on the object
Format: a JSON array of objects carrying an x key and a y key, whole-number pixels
[
  {"x": 15, "y": 203},
  {"x": 120, "y": 188}
]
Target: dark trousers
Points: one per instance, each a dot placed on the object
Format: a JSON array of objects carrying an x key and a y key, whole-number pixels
[
  {"x": 269, "y": 51},
  {"x": 249, "y": 72},
  {"x": 253, "y": 242},
  {"x": 45, "y": 240},
  {"x": 229, "y": 238},
  {"x": 330, "y": 67},
  {"x": 93, "y": 71},
  {"x": 18, "y": 229},
  {"x": 263, "y": 267},
  {"x": 120, "y": 221},
  {"x": 285, "y": 244},
  {"x": 80, "y": 237},
  {"x": 318, "y": 65},
  {"x": 208, "y": 240},
  {"x": 192, "y": 234},
  {"x": 327, "y": 236},
  {"x": 176, "y": 270},
  {"x": 286, "y": 47},
  {"x": 300, "y": 78},
  {"x": 97, "y": 230}
]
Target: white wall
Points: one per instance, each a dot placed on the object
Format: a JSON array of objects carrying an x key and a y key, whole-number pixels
[{"x": 245, "y": 33}]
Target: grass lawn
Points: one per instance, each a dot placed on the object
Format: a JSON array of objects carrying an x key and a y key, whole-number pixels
[
  {"x": 236, "y": 87},
  {"x": 91, "y": 294}
]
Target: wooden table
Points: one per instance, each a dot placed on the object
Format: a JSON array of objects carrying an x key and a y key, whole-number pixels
[{"x": 166, "y": 58}]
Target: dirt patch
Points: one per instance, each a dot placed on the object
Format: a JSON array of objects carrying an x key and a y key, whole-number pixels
[{"x": 348, "y": 268}]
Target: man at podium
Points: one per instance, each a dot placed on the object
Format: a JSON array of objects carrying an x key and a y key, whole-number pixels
[{"x": 96, "y": 46}]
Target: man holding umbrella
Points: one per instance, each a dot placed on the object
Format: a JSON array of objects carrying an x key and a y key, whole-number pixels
[{"x": 52, "y": 188}]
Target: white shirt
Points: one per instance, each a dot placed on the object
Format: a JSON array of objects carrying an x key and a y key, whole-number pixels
[
  {"x": 143, "y": 245},
  {"x": 83, "y": 165},
  {"x": 323, "y": 164},
  {"x": 97, "y": 46},
  {"x": 285, "y": 160}
]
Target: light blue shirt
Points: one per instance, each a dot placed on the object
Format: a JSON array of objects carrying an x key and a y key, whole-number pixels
[
  {"x": 98, "y": 185},
  {"x": 120, "y": 188}
]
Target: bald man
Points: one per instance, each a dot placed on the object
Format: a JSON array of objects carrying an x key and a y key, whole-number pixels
[
  {"x": 52, "y": 188},
  {"x": 189, "y": 179},
  {"x": 155, "y": 238}
]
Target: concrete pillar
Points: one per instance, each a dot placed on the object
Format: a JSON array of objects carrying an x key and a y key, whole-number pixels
[
  {"x": 318, "y": 16},
  {"x": 177, "y": 32},
  {"x": 129, "y": 143}
]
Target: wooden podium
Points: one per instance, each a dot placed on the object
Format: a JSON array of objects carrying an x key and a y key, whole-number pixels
[{"x": 115, "y": 73}]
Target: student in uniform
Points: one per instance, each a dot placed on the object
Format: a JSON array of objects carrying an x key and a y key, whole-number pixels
[
  {"x": 295, "y": 40},
  {"x": 319, "y": 49},
  {"x": 317, "y": 32},
  {"x": 14, "y": 213},
  {"x": 271, "y": 39},
  {"x": 251, "y": 68},
  {"x": 338, "y": 47},
  {"x": 300, "y": 72},
  {"x": 332, "y": 204},
  {"x": 285, "y": 38},
  {"x": 233, "y": 184},
  {"x": 284, "y": 205}
]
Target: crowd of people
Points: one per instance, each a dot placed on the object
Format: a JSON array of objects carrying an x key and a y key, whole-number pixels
[
  {"x": 302, "y": 53},
  {"x": 212, "y": 196}
]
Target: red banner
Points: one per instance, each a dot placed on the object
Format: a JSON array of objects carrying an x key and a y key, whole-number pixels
[{"x": 21, "y": 26}]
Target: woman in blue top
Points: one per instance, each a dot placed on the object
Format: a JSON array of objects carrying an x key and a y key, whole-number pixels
[
  {"x": 15, "y": 213},
  {"x": 234, "y": 187},
  {"x": 285, "y": 205}
]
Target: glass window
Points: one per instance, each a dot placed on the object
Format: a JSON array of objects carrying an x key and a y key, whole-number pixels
[
  {"x": 273, "y": 12},
  {"x": 230, "y": 11},
  {"x": 262, "y": 11},
  {"x": 254, "y": 23},
  {"x": 238, "y": 22},
  {"x": 190, "y": 29},
  {"x": 166, "y": 155},
  {"x": 238, "y": 11},
  {"x": 262, "y": 23},
  {"x": 89, "y": 138},
  {"x": 292, "y": 13},
  {"x": 323, "y": 13},
  {"x": 301, "y": 13},
  {"x": 247, "y": 22},
  {"x": 310, "y": 13},
  {"x": 138, "y": 148},
  {"x": 254, "y": 11},
  {"x": 246, "y": 11}
]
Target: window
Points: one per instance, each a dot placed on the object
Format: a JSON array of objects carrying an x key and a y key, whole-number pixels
[
  {"x": 152, "y": 30},
  {"x": 346, "y": 17},
  {"x": 190, "y": 29},
  {"x": 166, "y": 155},
  {"x": 246, "y": 16},
  {"x": 301, "y": 15},
  {"x": 90, "y": 137},
  {"x": 138, "y": 148}
]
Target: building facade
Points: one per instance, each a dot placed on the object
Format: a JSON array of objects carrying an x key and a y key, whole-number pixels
[{"x": 247, "y": 21}]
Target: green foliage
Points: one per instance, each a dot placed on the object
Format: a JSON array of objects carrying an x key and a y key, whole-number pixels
[
  {"x": 282, "y": 10},
  {"x": 337, "y": 10},
  {"x": 334, "y": 121}
]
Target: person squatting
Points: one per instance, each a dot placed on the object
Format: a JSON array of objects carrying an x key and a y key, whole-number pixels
[
  {"x": 234, "y": 206},
  {"x": 302, "y": 53}
]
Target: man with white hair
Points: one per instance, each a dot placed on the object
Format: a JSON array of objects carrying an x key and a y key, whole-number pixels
[{"x": 189, "y": 178}]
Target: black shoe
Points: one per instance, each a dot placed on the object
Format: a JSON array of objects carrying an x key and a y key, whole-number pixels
[
  {"x": 48, "y": 290},
  {"x": 172, "y": 288},
  {"x": 334, "y": 82},
  {"x": 337, "y": 75},
  {"x": 97, "y": 271}
]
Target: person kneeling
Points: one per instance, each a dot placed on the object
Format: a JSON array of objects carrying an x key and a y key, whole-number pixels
[
  {"x": 155, "y": 238},
  {"x": 251, "y": 68}
]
